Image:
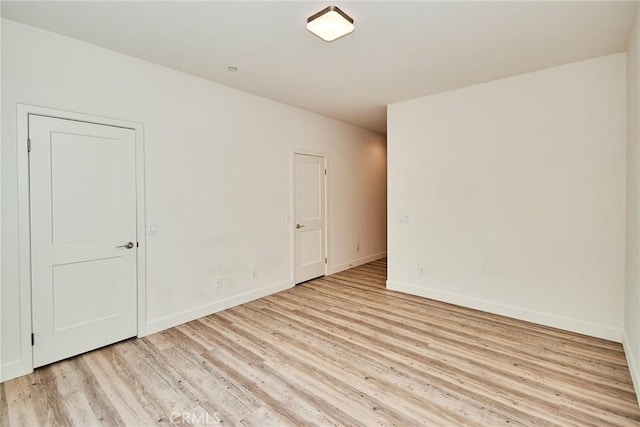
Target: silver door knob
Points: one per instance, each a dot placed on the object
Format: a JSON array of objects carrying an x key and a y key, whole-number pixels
[
  {"x": 127, "y": 246},
  {"x": 298, "y": 226}
]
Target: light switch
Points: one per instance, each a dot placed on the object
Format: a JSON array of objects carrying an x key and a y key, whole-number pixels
[
  {"x": 153, "y": 229},
  {"x": 404, "y": 219}
]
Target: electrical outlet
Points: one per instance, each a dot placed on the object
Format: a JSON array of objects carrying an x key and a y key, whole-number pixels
[
  {"x": 254, "y": 273},
  {"x": 404, "y": 219},
  {"x": 422, "y": 271},
  {"x": 218, "y": 282},
  {"x": 153, "y": 229}
]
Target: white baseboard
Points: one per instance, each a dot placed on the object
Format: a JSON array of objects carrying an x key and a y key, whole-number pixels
[
  {"x": 633, "y": 364},
  {"x": 356, "y": 262},
  {"x": 205, "y": 310},
  {"x": 14, "y": 369},
  {"x": 546, "y": 319}
]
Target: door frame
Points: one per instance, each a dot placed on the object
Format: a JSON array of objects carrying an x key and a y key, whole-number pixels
[
  {"x": 292, "y": 215},
  {"x": 24, "y": 219}
]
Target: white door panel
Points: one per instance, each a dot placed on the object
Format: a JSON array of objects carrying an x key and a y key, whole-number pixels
[
  {"x": 310, "y": 179},
  {"x": 83, "y": 206},
  {"x": 309, "y": 187},
  {"x": 91, "y": 300},
  {"x": 310, "y": 247},
  {"x": 76, "y": 162}
]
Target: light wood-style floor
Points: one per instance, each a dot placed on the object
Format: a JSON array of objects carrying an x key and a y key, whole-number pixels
[{"x": 340, "y": 350}]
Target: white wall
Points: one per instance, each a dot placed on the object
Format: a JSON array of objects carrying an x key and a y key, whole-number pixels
[
  {"x": 632, "y": 288},
  {"x": 217, "y": 176},
  {"x": 1, "y": 223},
  {"x": 515, "y": 192}
]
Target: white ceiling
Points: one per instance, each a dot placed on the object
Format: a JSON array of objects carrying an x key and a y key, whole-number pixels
[{"x": 399, "y": 50}]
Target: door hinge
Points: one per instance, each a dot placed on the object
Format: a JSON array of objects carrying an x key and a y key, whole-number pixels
[
  {"x": 28, "y": 145},
  {"x": 325, "y": 171},
  {"x": 325, "y": 260},
  {"x": 33, "y": 339}
]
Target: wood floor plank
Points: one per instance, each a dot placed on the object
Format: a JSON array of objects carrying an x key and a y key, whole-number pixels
[
  {"x": 457, "y": 327},
  {"x": 424, "y": 371},
  {"x": 549, "y": 336},
  {"x": 124, "y": 393},
  {"x": 192, "y": 383},
  {"x": 4, "y": 406},
  {"x": 441, "y": 335},
  {"x": 313, "y": 371},
  {"x": 22, "y": 406},
  {"x": 364, "y": 379},
  {"x": 105, "y": 411},
  {"x": 340, "y": 350},
  {"x": 73, "y": 401}
]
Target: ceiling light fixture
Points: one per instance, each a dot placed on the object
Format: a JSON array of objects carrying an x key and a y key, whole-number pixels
[{"x": 330, "y": 24}]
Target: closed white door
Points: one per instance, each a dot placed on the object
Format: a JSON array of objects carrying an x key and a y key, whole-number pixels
[
  {"x": 309, "y": 183},
  {"x": 83, "y": 236}
]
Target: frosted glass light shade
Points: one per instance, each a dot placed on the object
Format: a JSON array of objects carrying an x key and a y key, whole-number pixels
[{"x": 330, "y": 24}]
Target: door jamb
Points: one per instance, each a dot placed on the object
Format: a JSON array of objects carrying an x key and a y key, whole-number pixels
[
  {"x": 292, "y": 215},
  {"x": 24, "y": 227}
]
